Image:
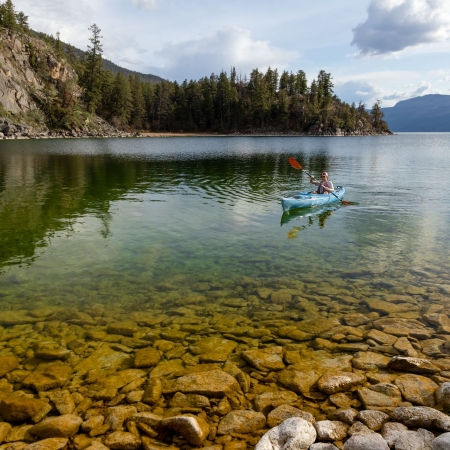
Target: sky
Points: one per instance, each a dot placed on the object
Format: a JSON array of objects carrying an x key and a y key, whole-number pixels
[{"x": 388, "y": 50}]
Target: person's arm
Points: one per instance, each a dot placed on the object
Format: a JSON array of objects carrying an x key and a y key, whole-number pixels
[
  {"x": 330, "y": 187},
  {"x": 313, "y": 181}
]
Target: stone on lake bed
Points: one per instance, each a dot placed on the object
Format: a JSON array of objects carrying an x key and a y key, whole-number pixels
[
  {"x": 373, "y": 419},
  {"x": 370, "y": 361},
  {"x": 241, "y": 421},
  {"x": 125, "y": 328},
  {"x": 7, "y": 363},
  {"x": 213, "y": 383},
  {"x": 391, "y": 431},
  {"x": 381, "y": 396},
  {"x": 443, "y": 395},
  {"x": 147, "y": 357},
  {"x": 283, "y": 412},
  {"x": 214, "y": 344},
  {"x": 442, "y": 442},
  {"x": 19, "y": 409},
  {"x": 422, "y": 416},
  {"x": 414, "y": 365},
  {"x": 194, "y": 429},
  {"x": 372, "y": 441},
  {"x": 266, "y": 359},
  {"x": 318, "y": 326},
  {"x": 417, "y": 389},
  {"x": 63, "y": 426},
  {"x": 123, "y": 440},
  {"x": 323, "y": 446},
  {"x": 269, "y": 400},
  {"x": 332, "y": 383},
  {"x": 292, "y": 332},
  {"x": 331, "y": 430},
  {"x": 355, "y": 320},
  {"x": 5, "y": 428},
  {"x": 48, "y": 376},
  {"x": 298, "y": 381},
  {"x": 63, "y": 401},
  {"x": 48, "y": 444},
  {"x": 294, "y": 433},
  {"x": 415, "y": 440},
  {"x": 165, "y": 368},
  {"x": 118, "y": 380},
  {"x": 104, "y": 358}
]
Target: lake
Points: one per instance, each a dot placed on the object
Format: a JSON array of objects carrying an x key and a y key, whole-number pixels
[
  {"x": 160, "y": 275},
  {"x": 108, "y": 221}
]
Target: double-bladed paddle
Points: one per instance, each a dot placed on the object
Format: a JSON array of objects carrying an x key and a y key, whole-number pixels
[{"x": 296, "y": 165}]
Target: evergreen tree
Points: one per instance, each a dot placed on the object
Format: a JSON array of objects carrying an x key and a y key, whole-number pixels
[
  {"x": 120, "y": 104},
  {"x": 8, "y": 16},
  {"x": 377, "y": 117},
  {"x": 138, "y": 102},
  {"x": 91, "y": 78}
]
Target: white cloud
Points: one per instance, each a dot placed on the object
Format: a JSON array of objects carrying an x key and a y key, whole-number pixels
[
  {"x": 146, "y": 4},
  {"x": 393, "y": 25},
  {"x": 446, "y": 78},
  {"x": 423, "y": 88},
  {"x": 230, "y": 46},
  {"x": 357, "y": 91}
]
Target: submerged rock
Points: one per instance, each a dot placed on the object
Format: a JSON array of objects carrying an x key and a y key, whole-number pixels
[
  {"x": 194, "y": 429},
  {"x": 241, "y": 422},
  {"x": 372, "y": 441},
  {"x": 214, "y": 383},
  {"x": 422, "y": 416},
  {"x": 63, "y": 426},
  {"x": 294, "y": 433}
]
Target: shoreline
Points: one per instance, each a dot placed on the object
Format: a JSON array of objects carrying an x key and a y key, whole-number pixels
[{"x": 27, "y": 136}]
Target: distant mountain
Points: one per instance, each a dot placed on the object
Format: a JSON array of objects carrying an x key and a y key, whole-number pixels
[{"x": 426, "y": 113}]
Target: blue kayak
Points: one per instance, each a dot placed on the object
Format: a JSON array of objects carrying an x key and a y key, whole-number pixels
[{"x": 307, "y": 200}]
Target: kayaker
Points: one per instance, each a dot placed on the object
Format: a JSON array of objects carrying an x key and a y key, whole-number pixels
[{"x": 324, "y": 186}]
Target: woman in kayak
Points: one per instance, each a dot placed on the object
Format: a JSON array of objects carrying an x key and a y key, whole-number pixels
[{"x": 323, "y": 186}]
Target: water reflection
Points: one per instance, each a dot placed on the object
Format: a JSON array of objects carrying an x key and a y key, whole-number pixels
[
  {"x": 312, "y": 216},
  {"x": 43, "y": 194}
]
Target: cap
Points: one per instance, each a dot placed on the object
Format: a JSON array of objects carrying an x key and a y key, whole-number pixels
[{"x": 324, "y": 174}]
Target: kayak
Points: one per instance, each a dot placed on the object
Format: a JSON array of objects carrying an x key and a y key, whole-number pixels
[{"x": 308, "y": 200}]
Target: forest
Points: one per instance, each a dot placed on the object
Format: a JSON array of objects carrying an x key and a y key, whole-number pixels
[{"x": 260, "y": 102}]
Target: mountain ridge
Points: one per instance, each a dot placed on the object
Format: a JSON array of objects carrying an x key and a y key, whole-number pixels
[{"x": 427, "y": 113}]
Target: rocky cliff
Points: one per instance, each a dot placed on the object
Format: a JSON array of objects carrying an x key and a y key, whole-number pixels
[{"x": 32, "y": 78}]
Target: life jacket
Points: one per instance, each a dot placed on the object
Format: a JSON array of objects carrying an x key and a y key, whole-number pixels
[{"x": 320, "y": 189}]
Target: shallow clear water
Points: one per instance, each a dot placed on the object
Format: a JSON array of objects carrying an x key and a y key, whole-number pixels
[{"x": 138, "y": 224}]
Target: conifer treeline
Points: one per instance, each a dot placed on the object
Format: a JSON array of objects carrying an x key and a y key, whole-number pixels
[{"x": 262, "y": 102}]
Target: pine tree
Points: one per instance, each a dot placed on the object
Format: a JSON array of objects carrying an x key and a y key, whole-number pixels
[
  {"x": 377, "y": 117},
  {"x": 138, "y": 102},
  {"x": 91, "y": 78},
  {"x": 8, "y": 16},
  {"x": 121, "y": 99}
]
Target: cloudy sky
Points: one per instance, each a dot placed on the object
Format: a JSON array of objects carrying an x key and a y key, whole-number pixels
[{"x": 374, "y": 49}]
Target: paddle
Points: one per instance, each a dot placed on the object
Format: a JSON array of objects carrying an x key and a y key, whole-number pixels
[{"x": 296, "y": 165}]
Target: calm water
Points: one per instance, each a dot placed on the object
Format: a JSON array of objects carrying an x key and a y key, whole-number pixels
[{"x": 130, "y": 223}]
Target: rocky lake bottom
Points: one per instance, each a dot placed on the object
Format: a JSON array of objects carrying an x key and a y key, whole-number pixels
[{"x": 351, "y": 363}]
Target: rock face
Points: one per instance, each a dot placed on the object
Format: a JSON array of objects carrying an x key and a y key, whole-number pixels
[
  {"x": 23, "y": 85},
  {"x": 294, "y": 433}
]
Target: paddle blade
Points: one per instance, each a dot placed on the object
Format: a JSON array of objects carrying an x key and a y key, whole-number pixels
[
  {"x": 295, "y": 164},
  {"x": 344, "y": 202}
]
